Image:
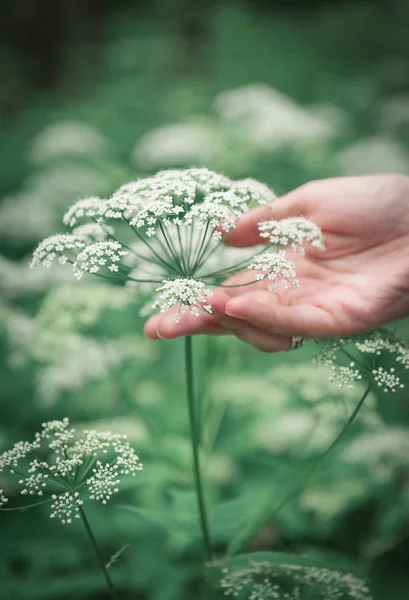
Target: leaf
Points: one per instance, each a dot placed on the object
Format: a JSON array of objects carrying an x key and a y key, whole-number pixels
[
  {"x": 229, "y": 518},
  {"x": 167, "y": 520},
  {"x": 116, "y": 556},
  {"x": 264, "y": 511}
]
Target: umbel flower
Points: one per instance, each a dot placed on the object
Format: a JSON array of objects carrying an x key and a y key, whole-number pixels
[
  {"x": 69, "y": 467},
  {"x": 375, "y": 356},
  {"x": 163, "y": 234},
  {"x": 265, "y": 580}
]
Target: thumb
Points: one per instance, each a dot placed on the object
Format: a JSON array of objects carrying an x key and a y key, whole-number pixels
[{"x": 246, "y": 232}]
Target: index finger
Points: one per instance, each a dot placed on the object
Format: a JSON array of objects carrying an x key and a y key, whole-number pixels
[{"x": 246, "y": 232}]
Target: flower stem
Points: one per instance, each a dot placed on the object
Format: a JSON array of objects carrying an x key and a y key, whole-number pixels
[
  {"x": 195, "y": 437},
  {"x": 266, "y": 513},
  {"x": 298, "y": 488},
  {"x": 97, "y": 551}
]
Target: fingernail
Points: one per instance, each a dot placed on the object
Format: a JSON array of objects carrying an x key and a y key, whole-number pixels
[{"x": 232, "y": 309}]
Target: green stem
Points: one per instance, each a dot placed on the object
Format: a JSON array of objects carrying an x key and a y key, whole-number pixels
[
  {"x": 323, "y": 456},
  {"x": 195, "y": 437},
  {"x": 98, "y": 553},
  {"x": 22, "y": 508},
  {"x": 237, "y": 542}
]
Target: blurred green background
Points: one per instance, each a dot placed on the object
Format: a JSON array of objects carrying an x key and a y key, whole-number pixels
[{"x": 94, "y": 94}]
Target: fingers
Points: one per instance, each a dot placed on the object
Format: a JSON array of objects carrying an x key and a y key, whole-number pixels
[
  {"x": 262, "y": 340},
  {"x": 246, "y": 231},
  {"x": 163, "y": 326},
  {"x": 266, "y": 313}
]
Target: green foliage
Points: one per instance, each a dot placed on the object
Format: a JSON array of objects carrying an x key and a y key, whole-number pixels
[{"x": 77, "y": 349}]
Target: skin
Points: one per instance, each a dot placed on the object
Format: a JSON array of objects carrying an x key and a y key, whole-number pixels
[{"x": 359, "y": 282}]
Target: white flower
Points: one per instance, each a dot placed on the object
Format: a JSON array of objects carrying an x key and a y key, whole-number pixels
[
  {"x": 276, "y": 267},
  {"x": 94, "y": 232},
  {"x": 179, "y": 215},
  {"x": 95, "y": 256},
  {"x": 92, "y": 208},
  {"x": 269, "y": 581},
  {"x": 66, "y": 507},
  {"x": 67, "y": 138},
  {"x": 104, "y": 482},
  {"x": 253, "y": 191},
  {"x": 61, "y": 246},
  {"x": 188, "y": 293},
  {"x": 3, "y": 499},
  {"x": 176, "y": 144},
  {"x": 292, "y": 232},
  {"x": 269, "y": 119},
  {"x": 380, "y": 346},
  {"x": 383, "y": 452},
  {"x": 11, "y": 458},
  {"x": 91, "y": 463},
  {"x": 387, "y": 379},
  {"x": 380, "y": 154}
]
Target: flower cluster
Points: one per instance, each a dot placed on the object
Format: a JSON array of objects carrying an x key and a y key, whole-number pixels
[
  {"x": 73, "y": 466},
  {"x": 292, "y": 232},
  {"x": 264, "y": 581},
  {"x": 187, "y": 293},
  {"x": 276, "y": 267},
  {"x": 95, "y": 256},
  {"x": 179, "y": 218},
  {"x": 376, "y": 356}
]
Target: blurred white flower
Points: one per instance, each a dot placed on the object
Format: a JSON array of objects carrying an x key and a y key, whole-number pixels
[
  {"x": 379, "y": 154},
  {"x": 16, "y": 279},
  {"x": 395, "y": 113},
  {"x": 68, "y": 308},
  {"x": 328, "y": 501},
  {"x": 270, "y": 119},
  {"x": 66, "y": 139},
  {"x": 15, "y": 228},
  {"x": 272, "y": 580},
  {"x": 178, "y": 144},
  {"x": 383, "y": 452},
  {"x": 220, "y": 468}
]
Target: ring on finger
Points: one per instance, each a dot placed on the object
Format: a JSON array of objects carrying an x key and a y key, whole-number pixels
[{"x": 297, "y": 341}]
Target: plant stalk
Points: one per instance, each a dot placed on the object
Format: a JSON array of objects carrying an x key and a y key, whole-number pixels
[
  {"x": 97, "y": 551},
  {"x": 195, "y": 438}
]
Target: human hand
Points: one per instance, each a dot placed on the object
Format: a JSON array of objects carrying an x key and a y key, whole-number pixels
[{"x": 361, "y": 281}]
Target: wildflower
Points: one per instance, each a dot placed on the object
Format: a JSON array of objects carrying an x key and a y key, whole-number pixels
[
  {"x": 276, "y": 267},
  {"x": 269, "y": 119},
  {"x": 385, "y": 452},
  {"x": 371, "y": 355},
  {"x": 92, "y": 208},
  {"x": 177, "y": 144},
  {"x": 3, "y": 499},
  {"x": 95, "y": 256},
  {"x": 387, "y": 380},
  {"x": 292, "y": 232},
  {"x": 67, "y": 138},
  {"x": 93, "y": 231},
  {"x": 188, "y": 293},
  {"x": 60, "y": 246},
  {"x": 75, "y": 466},
  {"x": 178, "y": 217},
  {"x": 265, "y": 580}
]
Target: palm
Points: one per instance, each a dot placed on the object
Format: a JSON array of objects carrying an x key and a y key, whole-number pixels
[{"x": 359, "y": 282}]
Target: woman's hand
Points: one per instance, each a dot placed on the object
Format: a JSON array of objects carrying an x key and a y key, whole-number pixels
[{"x": 359, "y": 282}]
